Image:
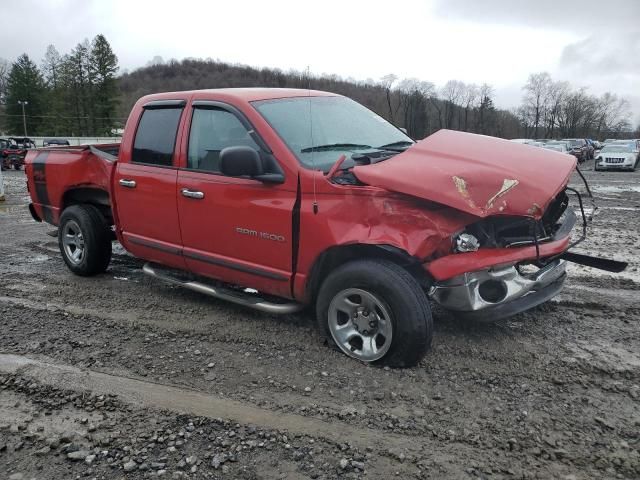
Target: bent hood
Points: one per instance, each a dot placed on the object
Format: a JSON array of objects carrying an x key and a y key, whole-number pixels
[{"x": 476, "y": 174}]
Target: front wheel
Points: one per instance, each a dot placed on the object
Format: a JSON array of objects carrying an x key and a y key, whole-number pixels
[
  {"x": 375, "y": 311},
  {"x": 84, "y": 240}
]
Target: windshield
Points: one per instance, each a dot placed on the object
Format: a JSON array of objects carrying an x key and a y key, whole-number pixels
[
  {"x": 616, "y": 149},
  {"x": 556, "y": 147},
  {"x": 320, "y": 129}
]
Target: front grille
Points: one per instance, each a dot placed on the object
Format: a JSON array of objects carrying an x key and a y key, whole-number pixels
[{"x": 614, "y": 160}]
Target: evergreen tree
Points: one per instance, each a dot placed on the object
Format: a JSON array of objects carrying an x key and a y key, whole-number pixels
[
  {"x": 103, "y": 65},
  {"x": 54, "y": 100},
  {"x": 25, "y": 83},
  {"x": 75, "y": 77}
]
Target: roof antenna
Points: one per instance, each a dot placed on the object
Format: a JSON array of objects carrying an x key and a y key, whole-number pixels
[{"x": 313, "y": 165}]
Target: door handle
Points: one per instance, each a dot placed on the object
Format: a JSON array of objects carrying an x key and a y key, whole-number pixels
[
  {"x": 192, "y": 194},
  {"x": 127, "y": 183}
]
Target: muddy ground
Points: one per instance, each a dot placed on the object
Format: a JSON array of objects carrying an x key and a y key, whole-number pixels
[{"x": 120, "y": 376}]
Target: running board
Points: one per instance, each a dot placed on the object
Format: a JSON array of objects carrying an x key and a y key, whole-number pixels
[
  {"x": 246, "y": 299},
  {"x": 595, "y": 262}
]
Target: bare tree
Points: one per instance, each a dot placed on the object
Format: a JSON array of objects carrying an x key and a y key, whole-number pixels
[
  {"x": 451, "y": 93},
  {"x": 469, "y": 96},
  {"x": 536, "y": 96},
  {"x": 4, "y": 78},
  {"x": 556, "y": 94},
  {"x": 387, "y": 82}
]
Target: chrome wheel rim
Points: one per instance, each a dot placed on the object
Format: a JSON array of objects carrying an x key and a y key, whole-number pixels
[
  {"x": 360, "y": 324},
  {"x": 73, "y": 242}
]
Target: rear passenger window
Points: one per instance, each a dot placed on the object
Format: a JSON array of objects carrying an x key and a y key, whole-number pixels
[
  {"x": 156, "y": 136},
  {"x": 213, "y": 130}
]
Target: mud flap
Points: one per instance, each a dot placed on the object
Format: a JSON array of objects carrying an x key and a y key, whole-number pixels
[{"x": 595, "y": 262}]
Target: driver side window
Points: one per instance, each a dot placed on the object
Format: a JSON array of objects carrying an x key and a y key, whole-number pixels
[{"x": 213, "y": 130}]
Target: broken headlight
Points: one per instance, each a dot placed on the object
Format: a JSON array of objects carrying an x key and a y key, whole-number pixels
[{"x": 465, "y": 242}]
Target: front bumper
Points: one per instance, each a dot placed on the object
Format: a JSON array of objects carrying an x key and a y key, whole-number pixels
[
  {"x": 499, "y": 292},
  {"x": 626, "y": 165}
]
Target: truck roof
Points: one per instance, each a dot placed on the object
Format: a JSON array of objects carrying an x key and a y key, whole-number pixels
[{"x": 241, "y": 94}]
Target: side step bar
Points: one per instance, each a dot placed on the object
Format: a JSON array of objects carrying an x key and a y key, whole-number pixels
[{"x": 238, "y": 297}]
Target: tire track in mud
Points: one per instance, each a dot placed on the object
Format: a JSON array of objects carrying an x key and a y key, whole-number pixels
[{"x": 143, "y": 394}]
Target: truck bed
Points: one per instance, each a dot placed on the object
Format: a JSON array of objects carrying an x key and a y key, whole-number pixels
[{"x": 56, "y": 174}]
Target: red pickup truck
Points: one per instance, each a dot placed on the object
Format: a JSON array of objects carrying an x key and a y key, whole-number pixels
[{"x": 280, "y": 198}]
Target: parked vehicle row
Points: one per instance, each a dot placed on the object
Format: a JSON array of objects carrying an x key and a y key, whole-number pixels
[
  {"x": 13, "y": 150},
  {"x": 610, "y": 154}
]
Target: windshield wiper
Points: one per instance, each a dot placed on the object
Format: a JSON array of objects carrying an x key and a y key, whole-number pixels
[
  {"x": 401, "y": 145},
  {"x": 334, "y": 146}
]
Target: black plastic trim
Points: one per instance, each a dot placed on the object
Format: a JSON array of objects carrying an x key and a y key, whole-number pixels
[
  {"x": 234, "y": 266},
  {"x": 157, "y": 246},
  {"x": 165, "y": 104},
  {"x": 33, "y": 213}
]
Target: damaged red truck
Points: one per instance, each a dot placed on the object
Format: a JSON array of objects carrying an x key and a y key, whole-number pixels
[{"x": 276, "y": 199}]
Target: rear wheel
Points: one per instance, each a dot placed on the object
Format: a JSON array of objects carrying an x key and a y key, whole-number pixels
[
  {"x": 375, "y": 311},
  {"x": 84, "y": 240}
]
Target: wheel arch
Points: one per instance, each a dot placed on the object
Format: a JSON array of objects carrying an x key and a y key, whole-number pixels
[
  {"x": 97, "y": 197},
  {"x": 337, "y": 255}
]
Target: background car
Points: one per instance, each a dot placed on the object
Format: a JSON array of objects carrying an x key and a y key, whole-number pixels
[
  {"x": 52, "y": 142},
  {"x": 579, "y": 148},
  {"x": 13, "y": 155},
  {"x": 618, "y": 156},
  {"x": 4, "y": 145}
]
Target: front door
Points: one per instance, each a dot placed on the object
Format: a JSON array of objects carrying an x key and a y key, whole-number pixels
[
  {"x": 145, "y": 188},
  {"x": 235, "y": 229}
]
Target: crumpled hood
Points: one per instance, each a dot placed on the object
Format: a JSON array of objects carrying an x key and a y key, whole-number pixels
[{"x": 476, "y": 174}]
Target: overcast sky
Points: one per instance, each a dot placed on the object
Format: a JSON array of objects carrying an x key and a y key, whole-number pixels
[{"x": 592, "y": 43}]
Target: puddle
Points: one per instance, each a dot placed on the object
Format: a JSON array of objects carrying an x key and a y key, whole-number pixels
[
  {"x": 38, "y": 258},
  {"x": 7, "y": 209},
  {"x": 615, "y": 189},
  {"x": 607, "y": 356},
  {"x": 146, "y": 394}
]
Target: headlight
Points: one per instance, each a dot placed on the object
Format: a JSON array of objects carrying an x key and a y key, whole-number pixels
[{"x": 465, "y": 242}]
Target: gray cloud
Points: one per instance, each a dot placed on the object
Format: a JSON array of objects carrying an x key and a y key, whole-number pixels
[
  {"x": 604, "y": 53},
  {"x": 567, "y": 15}
]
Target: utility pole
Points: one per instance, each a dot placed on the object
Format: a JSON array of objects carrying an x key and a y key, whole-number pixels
[{"x": 24, "y": 117}]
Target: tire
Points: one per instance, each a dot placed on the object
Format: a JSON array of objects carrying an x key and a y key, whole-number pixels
[
  {"x": 93, "y": 242},
  {"x": 397, "y": 302}
]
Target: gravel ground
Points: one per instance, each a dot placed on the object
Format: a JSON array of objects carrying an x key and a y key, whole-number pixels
[{"x": 552, "y": 393}]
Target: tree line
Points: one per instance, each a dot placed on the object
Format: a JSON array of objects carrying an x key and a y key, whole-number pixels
[
  {"x": 416, "y": 105},
  {"x": 80, "y": 94},
  {"x": 556, "y": 109},
  {"x": 68, "y": 95},
  {"x": 549, "y": 109}
]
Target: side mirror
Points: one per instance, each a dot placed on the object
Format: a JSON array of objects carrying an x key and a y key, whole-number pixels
[
  {"x": 240, "y": 162},
  {"x": 244, "y": 161},
  {"x": 403, "y": 130}
]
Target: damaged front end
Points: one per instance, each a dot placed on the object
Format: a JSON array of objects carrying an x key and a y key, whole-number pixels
[
  {"x": 513, "y": 256},
  {"x": 506, "y": 289}
]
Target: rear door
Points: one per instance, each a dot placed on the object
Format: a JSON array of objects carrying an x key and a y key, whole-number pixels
[
  {"x": 145, "y": 187},
  {"x": 235, "y": 229}
]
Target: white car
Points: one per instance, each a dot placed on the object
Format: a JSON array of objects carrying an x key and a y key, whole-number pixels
[{"x": 618, "y": 156}]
